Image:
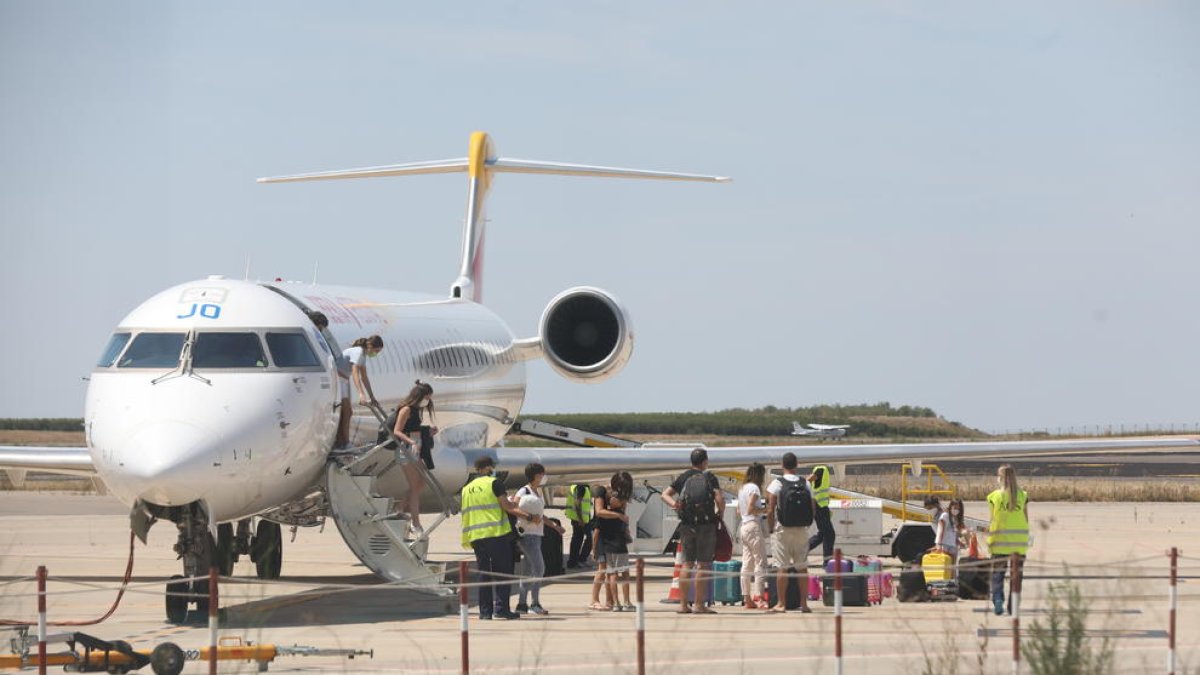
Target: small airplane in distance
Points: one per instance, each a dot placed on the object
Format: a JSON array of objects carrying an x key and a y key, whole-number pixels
[{"x": 820, "y": 430}]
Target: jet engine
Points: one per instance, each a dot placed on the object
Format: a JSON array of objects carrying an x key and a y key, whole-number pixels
[{"x": 586, "y": 335}]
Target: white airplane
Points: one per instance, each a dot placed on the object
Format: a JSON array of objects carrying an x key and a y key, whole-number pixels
[
  {"x": 820, "y": 430},
  {"x": 214, "y": 404}
]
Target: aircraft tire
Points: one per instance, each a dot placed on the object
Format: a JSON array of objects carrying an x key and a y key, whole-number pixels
[
  {"x": 200, "y": 597},
  {"x": 226, "y": 553},
  {"x": 268, "y": 540},
  {"x": 176, "y": 604}
]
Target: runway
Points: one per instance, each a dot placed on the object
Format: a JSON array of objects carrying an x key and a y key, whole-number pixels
[{"x": 326, "y": 599}]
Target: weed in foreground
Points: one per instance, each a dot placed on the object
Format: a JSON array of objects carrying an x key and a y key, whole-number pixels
[{"x": 1060, "y": 645}]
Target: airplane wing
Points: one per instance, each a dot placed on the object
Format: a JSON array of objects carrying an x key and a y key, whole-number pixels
[
  {"x": 21, "y": 458},
  {"x": 565, "y": 465}
]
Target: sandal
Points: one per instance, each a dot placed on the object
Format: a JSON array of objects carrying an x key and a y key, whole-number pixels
[{"x": 597, "y": 607}]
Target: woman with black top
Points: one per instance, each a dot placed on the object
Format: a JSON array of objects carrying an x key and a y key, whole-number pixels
[
  {"x": 612, "y": 541},
  {"x": 407, "y": 427}
]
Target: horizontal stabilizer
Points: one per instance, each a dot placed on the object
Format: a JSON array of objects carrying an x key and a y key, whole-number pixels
[
  {"x": 410, "y": 169},
  {"x": 499, "y": 165},
  {"x": 503, "y": 165}
]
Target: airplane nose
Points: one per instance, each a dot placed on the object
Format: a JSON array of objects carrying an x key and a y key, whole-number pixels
[{"x": 168, "y": 463}]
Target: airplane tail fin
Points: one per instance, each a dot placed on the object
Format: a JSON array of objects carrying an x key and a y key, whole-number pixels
[{"x": 480, "y": 165}]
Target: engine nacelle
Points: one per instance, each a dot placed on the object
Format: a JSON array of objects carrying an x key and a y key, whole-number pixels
[{"x": 586, "y": 334}]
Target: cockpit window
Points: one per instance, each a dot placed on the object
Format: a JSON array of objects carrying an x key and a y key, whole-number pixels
[
  {"x": 153, "y": 350},
  {"x": 228, "y": 350},
  {"x": 291, "y": 350},
  {"x": 115, "y": 344}
]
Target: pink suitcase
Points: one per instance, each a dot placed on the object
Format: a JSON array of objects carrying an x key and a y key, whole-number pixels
[{"x": 814, "y": 587}]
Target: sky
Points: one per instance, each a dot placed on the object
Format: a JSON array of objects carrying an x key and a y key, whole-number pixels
[{"x": 988, "y": 209}]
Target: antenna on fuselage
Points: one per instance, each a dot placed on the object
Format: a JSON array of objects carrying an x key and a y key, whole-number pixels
[{"x": 480, "y": 165}]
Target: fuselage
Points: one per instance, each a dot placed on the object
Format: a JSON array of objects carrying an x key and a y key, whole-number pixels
[{"x": 224, "y": 392}]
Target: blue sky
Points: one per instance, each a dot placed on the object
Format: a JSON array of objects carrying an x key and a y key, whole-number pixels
[{"x": 991, "y": 211}]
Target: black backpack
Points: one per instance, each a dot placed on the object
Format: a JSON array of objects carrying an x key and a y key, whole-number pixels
[
  {"x": 795, "y": 505},
  {"x": 696, "y": 499}
]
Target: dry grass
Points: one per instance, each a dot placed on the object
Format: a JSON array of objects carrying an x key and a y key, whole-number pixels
[
  {"x": 70, "y": 439},
  {"x": 1046, "y": 489}
]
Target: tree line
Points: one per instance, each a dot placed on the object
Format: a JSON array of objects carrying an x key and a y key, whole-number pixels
[
  {"x": 42, "y": 423},
  {"x": 878, "y": 420}
]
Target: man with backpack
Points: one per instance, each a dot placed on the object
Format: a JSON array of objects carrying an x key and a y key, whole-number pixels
[
  {"x": 696, "y": 497},
  {"x": 790, "y": 509}
]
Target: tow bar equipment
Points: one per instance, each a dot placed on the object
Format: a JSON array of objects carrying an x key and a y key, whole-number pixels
[{"x": 89, "y": 654}]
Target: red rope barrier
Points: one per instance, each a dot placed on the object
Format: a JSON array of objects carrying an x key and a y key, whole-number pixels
[
  {"x": 41, "y": 591},
  {"x": 463, "y": 612},
  {"x": 641, "y": 616}
]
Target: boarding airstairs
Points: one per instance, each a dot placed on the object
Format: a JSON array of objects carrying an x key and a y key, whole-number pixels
[{"x": 375, "y": 526}]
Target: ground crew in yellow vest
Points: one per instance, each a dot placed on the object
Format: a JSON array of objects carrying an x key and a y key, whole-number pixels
[
  {"x": 819, "y": 478},
  {"x": 487, "y": 530},
  {"x": 579, "y": 512},
  {"x": 1008, "y": 531}
]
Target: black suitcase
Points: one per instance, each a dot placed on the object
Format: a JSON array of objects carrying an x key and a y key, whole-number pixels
[
  {"x": 854, "y": 591},
  {"x": 552, "y": 550},
  {"x": 912, "y": 585},
  {"x": 974, "y": 579},
  {"x": 793, "y": 591}
]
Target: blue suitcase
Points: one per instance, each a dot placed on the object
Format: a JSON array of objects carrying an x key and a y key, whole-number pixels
[
  {"x": 712, "y": 587},
  {"x": 727, "y": 582}
]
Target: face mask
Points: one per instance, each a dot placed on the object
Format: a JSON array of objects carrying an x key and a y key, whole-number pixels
[
  {"x": 372, "y": 354},
  {"x": 425, "y": 403}
]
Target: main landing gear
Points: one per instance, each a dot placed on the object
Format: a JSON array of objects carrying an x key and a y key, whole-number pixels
[{"x": 266, "y": 550}]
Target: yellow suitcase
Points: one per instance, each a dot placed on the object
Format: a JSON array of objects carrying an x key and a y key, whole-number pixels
[{"x": 937, "y": 567}]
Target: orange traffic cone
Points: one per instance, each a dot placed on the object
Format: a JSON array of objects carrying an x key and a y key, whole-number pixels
[
  {"x": 673, "y": 595},
  {"x": 973, "y": 549}
]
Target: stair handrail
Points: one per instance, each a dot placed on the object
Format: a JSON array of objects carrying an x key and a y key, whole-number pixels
[{"x": 430, "y": 479}]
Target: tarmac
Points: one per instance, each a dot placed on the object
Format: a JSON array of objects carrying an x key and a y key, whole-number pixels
[{"x": 1116, "y": 554}]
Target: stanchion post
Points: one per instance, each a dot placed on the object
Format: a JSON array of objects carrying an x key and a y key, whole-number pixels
[
  {"x": 1172, "y": 601},
  {"x": 41, "y": 591},
  {"x": 463, "y": 613},
  {"x": 214, "y": 597},
  {"x": 837, "y": 609},
  {"x": 641, "y": 616},
  {"x": 1014, "y": 598}
]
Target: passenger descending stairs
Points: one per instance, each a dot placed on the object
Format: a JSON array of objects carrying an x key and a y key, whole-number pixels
[{"x": 374, "y": 526}]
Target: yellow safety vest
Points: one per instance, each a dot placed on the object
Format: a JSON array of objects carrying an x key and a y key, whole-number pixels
[
  {"x": 1009, "y": 530},
  {"x": 482, "y": 516},
  {"x": 575, "y": 507},
  {"x": 821, "y": 489}
]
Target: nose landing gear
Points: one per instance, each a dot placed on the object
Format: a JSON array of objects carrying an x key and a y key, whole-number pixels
[{"x": 198, "y": 551}]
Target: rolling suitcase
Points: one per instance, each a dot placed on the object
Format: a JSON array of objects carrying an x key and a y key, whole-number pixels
[
  {"x": 937, "y": 567},
  {"x": 872, "y": 569},
  {"x": 974, "y": 582},
  {"x": 887, "y": 585},
  {"x": 814, "y": 587},
  {"x": 938, "y": 572},
  {"x": 727, "y": 582},
  {"x": 793, "y": 590},
  {"x": 912, "y": 585},
  {"x": 552, "y": 551},
  {"x": 854, "y": 591},
  {"x": 712, "y": 586}
]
